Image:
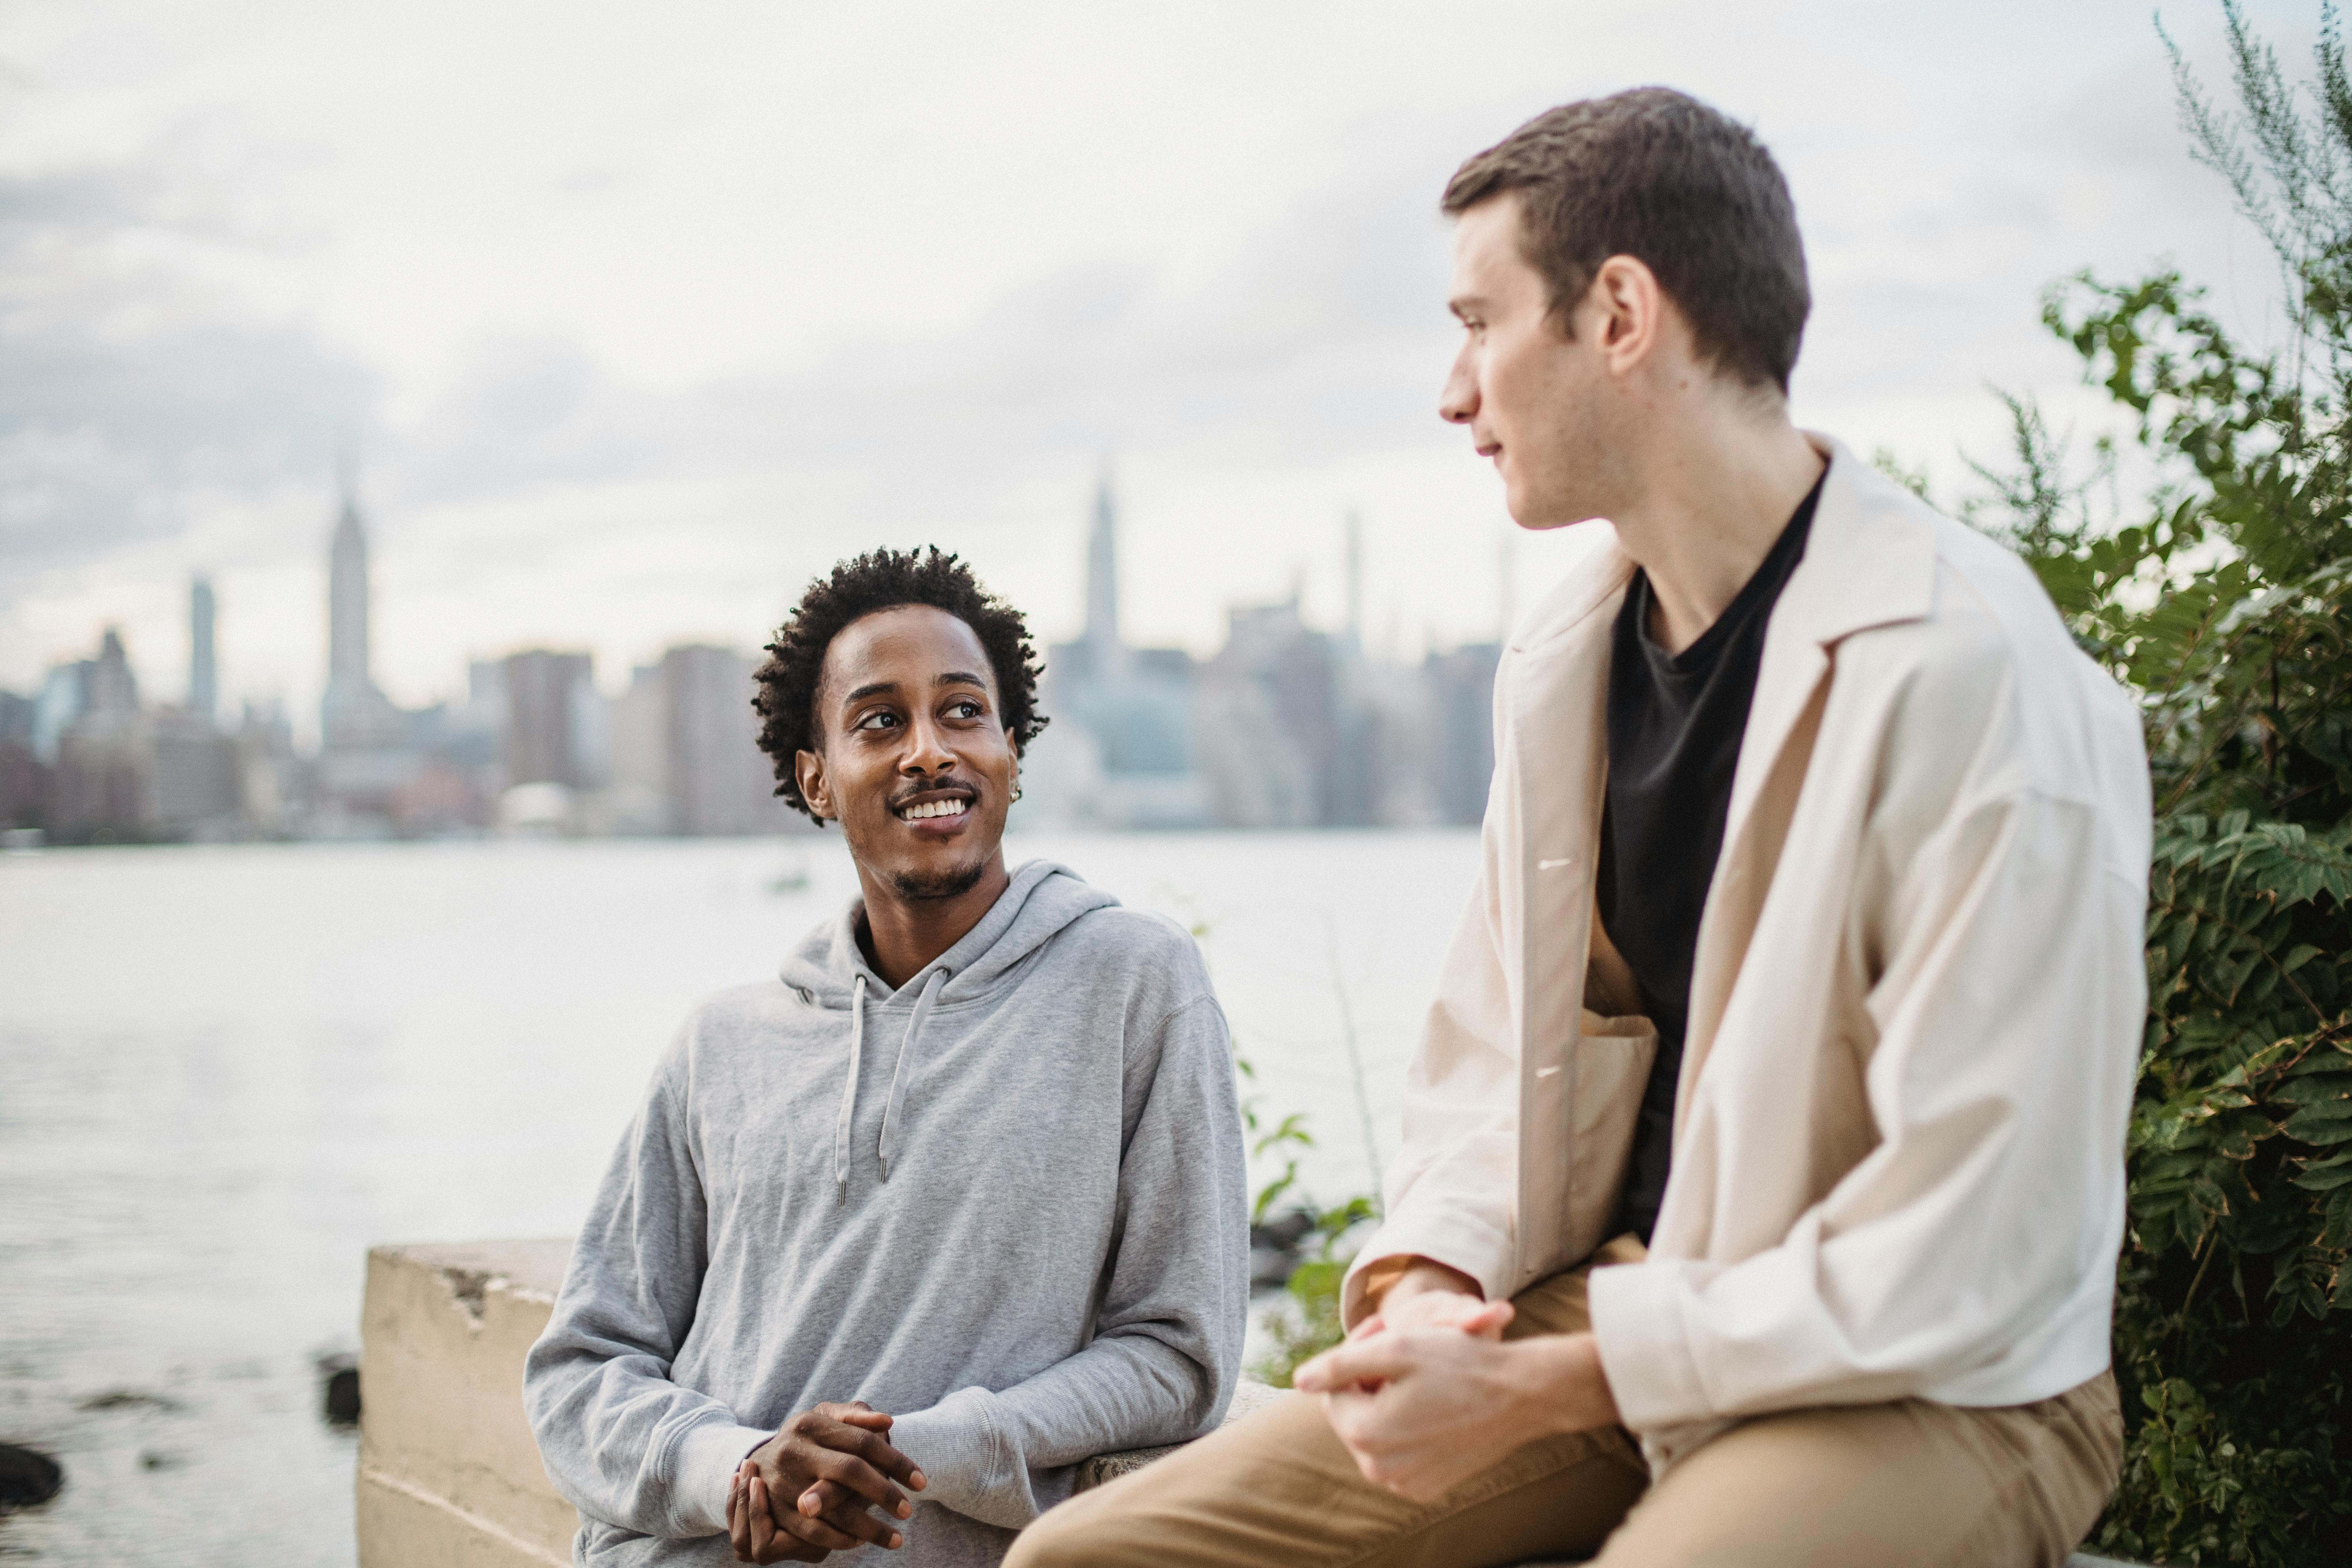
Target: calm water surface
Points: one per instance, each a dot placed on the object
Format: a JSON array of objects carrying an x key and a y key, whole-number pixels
[{"x": 227, "y": 1072}]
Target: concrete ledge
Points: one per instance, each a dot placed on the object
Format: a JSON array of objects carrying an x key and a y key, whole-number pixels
[
  {"x": 448, "y": 1475},
  {"x": 448, "y": 1471}
]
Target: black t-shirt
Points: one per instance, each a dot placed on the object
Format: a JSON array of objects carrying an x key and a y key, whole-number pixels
[{"x": 1674, "y": 728}]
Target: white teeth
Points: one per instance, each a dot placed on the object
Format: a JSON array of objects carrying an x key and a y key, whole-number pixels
[{"x": 936, "y": 808}]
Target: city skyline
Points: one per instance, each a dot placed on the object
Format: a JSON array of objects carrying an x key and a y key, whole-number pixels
[
  {"x": 344, "y": 589},
  {"x": 1285, "y": 725},
  {"x": 773, "y": 287}
]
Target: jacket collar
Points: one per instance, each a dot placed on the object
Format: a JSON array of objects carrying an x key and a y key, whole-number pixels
[{"x": 1870, "y": 561}]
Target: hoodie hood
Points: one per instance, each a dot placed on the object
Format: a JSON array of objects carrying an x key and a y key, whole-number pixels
[
  {"x": 1041, "y": 899},
  {"x": 831, "y": 970}
]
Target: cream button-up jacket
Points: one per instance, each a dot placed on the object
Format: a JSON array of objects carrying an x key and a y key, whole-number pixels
[{"x": 1915, "y": 1015}]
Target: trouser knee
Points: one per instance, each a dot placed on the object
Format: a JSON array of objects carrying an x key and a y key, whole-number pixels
[{"x": 1049, "y": 1541}]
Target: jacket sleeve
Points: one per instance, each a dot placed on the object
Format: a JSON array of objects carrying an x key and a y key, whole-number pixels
[
  {"x": 1167, "y": 1329},
  {"x": 2008, "y": 997},
  {"x": 621, "y": 1442}
]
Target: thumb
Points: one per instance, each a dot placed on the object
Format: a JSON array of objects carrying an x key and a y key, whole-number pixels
[
  {"x": 1490, "y": 1319},
  {"x": 1358, "y": 1361}
]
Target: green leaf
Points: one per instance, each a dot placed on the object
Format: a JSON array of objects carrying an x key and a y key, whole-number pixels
[{"x": 2325, "y": 1125}]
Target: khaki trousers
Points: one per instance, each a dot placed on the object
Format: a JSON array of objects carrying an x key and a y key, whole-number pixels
[{"x": 1908, "y": 1485}]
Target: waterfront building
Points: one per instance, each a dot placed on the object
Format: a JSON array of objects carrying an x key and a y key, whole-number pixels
[
  {"x": 720, "y": 780},
  {"x": 553, "y": 731},
  {"x": 354, "y": 716},
  {"x": 684, "y": 750},
  {"x": 366, "y": 759},
  {"x": 1461, "y": 710},
  {"x": 192, "y": 776},
  {"x": 1120, "y": 751},
  {"x": 100, "y": 785},
  {"x": 23, "y": 778},
  {"x": 204, "y": 673}
]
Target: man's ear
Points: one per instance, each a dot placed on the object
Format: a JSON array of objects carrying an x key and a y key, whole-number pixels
[
  {"x": 1627, "y": 311},
  {"x": 808, "y": 773}
]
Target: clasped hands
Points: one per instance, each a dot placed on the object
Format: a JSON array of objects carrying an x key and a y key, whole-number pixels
[
  {"x": 810, "y": 1490},
  {"x": 1425, "y": 1393}
]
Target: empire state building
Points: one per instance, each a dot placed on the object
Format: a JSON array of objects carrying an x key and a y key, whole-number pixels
[{"x": 354, "y": 715}]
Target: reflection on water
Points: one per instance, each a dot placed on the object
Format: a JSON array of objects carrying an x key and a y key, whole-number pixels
[{"x": 224, "y": 1073}]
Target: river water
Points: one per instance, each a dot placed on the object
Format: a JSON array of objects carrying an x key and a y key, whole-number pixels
[{"x": 225, "y": 1073}]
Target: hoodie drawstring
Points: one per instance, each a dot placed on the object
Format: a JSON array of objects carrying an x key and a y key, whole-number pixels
[
  {"x": 897, "y": 1100},
  {"x": 890, "y": 1107},
  {"x": 849, "y": 1089}
]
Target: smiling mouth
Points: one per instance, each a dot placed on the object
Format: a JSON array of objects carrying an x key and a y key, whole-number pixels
[{"x": 924, "y": 811}]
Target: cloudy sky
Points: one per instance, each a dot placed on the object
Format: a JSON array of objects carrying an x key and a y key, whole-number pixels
[{"x": 635, "y": 315}]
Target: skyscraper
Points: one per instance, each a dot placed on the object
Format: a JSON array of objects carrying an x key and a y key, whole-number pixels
[
  {"x": 204, "y": 695},
  {"x": 354, "y": 716},
  {"x": 1102, "y": 581},
  {"x": 550, "y": 719},
  {"x": 1121, "y": 755},
  {"x": 347, "y": 606}
]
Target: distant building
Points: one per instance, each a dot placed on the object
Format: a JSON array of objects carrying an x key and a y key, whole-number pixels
[
  {"x": 100, "y": 782},
  {"x": 204, "y": 672},
  {"x": 1268, "y": 717},
  {"x": 125, "y": 772},
  {"x": 1461, "y": 710},
  {"x": 1120, "y": 751},
  {"x": 684, "y": 750},
  {"x": 367, "y": 763},
  {"x": 553, "y": 731},
  {"x": 194, "y": 779},
  {"x": 354, "y": 716},
  {"x": 272, "y": 782},
  {"x": 23, "y": 778}
]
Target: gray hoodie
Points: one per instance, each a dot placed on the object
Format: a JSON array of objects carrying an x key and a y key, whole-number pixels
[{"x": 1003, "y": 1202}]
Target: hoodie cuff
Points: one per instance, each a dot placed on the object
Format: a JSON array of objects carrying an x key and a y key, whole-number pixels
[
  {"x": 966, "y": 1465},
  {"x": 706, "y": 1458},
  {"x": 1645, "y": 1344}
]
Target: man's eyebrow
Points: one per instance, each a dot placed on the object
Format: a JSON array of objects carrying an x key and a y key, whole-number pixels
[
  {"x": 881, "y": 687},
  {"x": 1462, "y": 303}
]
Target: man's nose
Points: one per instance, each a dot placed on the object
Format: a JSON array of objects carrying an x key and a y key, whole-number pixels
[
  {"x": 1457, "y": 401},
  {"x": 926, "y": 748}
]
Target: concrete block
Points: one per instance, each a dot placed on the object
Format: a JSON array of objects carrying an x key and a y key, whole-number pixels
[{"x": 448, "y": 1474}]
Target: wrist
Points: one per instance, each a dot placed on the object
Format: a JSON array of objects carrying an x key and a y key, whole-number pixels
[
  {"x": 1561, "y": 1387},
  {"x": 1419, "y": 1276}
]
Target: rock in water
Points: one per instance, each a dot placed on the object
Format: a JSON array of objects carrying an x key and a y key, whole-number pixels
[
  {"x": 26, "y": 1476},
  {"x": 343, "y": 1396}
]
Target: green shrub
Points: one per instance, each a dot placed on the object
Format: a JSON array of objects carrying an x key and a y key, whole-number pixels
[{"x": 2224, "y": 604}]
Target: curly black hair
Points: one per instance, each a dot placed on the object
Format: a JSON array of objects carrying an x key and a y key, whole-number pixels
[{"x": 878, "y": 580}]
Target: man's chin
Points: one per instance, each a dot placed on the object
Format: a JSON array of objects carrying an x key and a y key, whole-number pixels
[{"x": 941, "y": 882}]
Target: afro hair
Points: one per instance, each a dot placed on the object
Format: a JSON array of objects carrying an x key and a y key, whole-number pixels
[{"x": 881, "y": 580}]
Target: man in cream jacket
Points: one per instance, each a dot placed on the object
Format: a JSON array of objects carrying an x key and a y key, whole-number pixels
[{"x": 1762, "y": 1177}]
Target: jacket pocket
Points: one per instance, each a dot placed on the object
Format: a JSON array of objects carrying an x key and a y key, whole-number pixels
[{"x": 1611, "y": 1068}]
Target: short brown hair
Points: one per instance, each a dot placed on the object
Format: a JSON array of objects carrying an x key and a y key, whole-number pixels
[{"x": 1657, "y": 175}]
